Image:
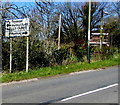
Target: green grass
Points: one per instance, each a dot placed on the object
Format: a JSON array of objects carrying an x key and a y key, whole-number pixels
[{"x": 51, "y": 71}]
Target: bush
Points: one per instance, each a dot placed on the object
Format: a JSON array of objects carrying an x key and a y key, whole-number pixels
[
  {"x": 37, "y": 55},
  {"x": 5, "y": 55},
  {"x": 104, "y": 53},
  {"x": 80, "y": 52},
  {"x": 60, "y": 55},
  {"x": 38, "y": 59},
  {"x": 18, "y": 54}
]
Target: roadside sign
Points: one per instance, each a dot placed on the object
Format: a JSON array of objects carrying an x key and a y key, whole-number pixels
[{"x": 17, "y": 27}]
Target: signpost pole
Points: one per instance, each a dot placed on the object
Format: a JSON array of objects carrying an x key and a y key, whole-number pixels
[
  {"x": 101, "y": 31},
  {"x": 27, "y": 51},
  {"x": 89, "y": 31},
  {"x": 10, "y": 55}
]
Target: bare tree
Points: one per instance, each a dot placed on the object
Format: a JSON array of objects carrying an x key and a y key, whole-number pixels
[
  {"x": 44, "y": 15},
  {"x": 45, "y": 21},
  {"x": 75, "y": 19},
  {"x": 11, "y": 11}
]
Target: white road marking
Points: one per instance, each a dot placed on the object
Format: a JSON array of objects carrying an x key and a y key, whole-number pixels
[{"x": 83, "y": 94}]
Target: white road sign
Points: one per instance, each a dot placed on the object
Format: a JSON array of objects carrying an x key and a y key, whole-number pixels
[{"x": 17, "y": 27}]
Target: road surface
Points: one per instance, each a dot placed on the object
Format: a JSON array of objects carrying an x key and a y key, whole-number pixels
[{"x": 99, "y": 86}]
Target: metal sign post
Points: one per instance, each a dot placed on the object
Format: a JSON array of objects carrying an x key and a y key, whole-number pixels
[
  {"x": 101, "y": 31},
  {"x": 10, "y": 55},
  {"x": 89, "y": 31},
  {"x": 27, "y": 52}
]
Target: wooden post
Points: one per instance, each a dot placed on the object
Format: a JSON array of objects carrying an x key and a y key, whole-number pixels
[{"x": 59, "y": 32}]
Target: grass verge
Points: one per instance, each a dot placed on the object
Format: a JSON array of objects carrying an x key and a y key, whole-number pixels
[{"x": 51, "y": 71}]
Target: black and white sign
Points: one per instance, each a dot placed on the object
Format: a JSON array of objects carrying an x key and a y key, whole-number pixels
[{"x": 17, "y": 27}]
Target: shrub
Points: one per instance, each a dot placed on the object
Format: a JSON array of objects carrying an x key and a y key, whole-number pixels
[
  {"x": 104, "y": 53},
  {"x": 60, "y": 55},
  {"x": 80, "y": 52}
]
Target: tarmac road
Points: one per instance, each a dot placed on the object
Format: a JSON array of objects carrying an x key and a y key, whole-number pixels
[{"x": 99, "y": 86}]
